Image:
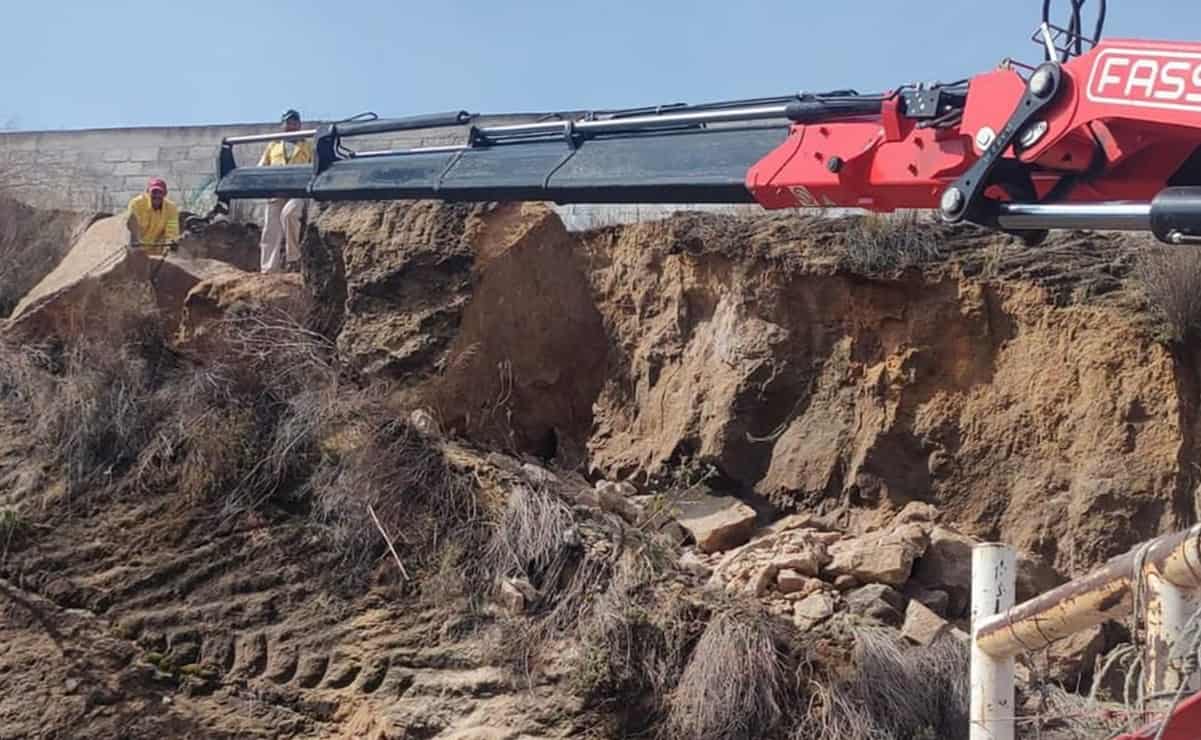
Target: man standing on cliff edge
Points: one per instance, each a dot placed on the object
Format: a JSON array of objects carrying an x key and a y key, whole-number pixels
[{"x": 284, "y": 215}]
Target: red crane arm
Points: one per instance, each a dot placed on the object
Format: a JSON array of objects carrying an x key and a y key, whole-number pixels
[{"x": 1127, "y": 120}]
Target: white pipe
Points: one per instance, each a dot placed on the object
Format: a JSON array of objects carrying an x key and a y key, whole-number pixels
[
  {"x": 273, "y": 136},
  {"x": 1169, "y": 608},
  {"x": 994, "y": 580}
]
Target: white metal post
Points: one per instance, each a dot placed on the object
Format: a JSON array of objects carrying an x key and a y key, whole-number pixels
[
  {"x": 1169, "y": 608},
  {"x": 994, "y": 578}
]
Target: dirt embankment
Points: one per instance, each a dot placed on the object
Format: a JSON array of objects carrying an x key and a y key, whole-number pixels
[
  {"x": 1023, "y": 393},
  {"x": 543, "y": 420}
]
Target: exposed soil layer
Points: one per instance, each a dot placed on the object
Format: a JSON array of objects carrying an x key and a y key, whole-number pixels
[
  {"x": 1024, "y": 392},
  {"x": 140, "y": 615}
]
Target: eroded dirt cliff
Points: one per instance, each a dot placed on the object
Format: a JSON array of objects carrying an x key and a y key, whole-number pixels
[{"x": 1025, "y": 393}]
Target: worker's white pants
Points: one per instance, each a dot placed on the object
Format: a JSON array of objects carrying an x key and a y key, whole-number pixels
[{"x": 282, "y": 228}]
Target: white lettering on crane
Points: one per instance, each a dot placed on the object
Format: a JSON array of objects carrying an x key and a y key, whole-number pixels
[
  {"x": 1147, "y": 78},
  {"x": 1178, "y": 84},
  {"x": 1107, "y": 76},
  {"x": 1146, "y": 81}
]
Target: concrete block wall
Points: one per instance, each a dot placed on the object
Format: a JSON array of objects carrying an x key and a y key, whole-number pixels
[{"x": 103, "y": 168}]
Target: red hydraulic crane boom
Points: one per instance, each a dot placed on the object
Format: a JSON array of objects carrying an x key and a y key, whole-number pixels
[{"x": 1102, "y": 135}]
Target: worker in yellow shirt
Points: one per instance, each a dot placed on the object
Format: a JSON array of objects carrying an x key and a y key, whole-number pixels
[
  {"x": 153, "y": 219},
  {"x": 284, "y": 215}
]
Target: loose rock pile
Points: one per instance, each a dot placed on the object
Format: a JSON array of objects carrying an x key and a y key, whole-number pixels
[{"x": 911, "y": 574}]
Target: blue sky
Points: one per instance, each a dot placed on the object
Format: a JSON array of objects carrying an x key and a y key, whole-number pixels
[{"x": 77, "y": 64}]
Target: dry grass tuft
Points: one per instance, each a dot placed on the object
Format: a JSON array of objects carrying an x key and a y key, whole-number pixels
[
  {"x": 896, "y": 693},
  {"x": 606, "y": 604},
  {"x": 22, "y": 371},
  {"x": 886, "y": 243},
  {"x": 833, "y": 713},
  {"x": 245, "y": 428},
  {"x": 634, "y": 635},
  {"x": 734, "y": 685},
  {"x": 94, "y": 406},
  {"x": 533, "y": 532},
  {"x": 97, "y": 416},
  {"x": 422, "y": 501},
  {"x": 1171, "y": 278},
  {"x": 638, "y": 640}
]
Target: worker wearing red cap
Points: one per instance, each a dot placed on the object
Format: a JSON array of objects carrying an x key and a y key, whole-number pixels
[
  {"x": 284, "y": 215},
  {"x": 153, "y": 219}
]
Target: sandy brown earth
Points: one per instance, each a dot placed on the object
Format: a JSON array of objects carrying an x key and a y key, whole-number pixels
[
  {"x": 1026, "y": 393},
  {"x": 143, "y": 616},
  {"x": 1023, "y": 394}
]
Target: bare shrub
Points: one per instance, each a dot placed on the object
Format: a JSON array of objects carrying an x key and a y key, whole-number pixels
[
  {"x": 96, "y": 408},
  {"x": 612, "y": 603},
  {"x": 896, "y": 693},
  {"x": 279, "y": 352},
  {"x": 634, "y": 632},
  {"x": 245, "y": 429},
  {"x": 532, "y": 533},
  {"x": 22, "y": 374},
  {"x": 96, "y": 416},
  {"x": 734, "y": 685},
  {"x": 1060, "y": 714},
  {"x": 13, "y": 529},
  {"x": 885, "y": 243},
  {"x": 422, "y": 502},
  {"x": 1171, "y": 279},
  {"x": 604, "y": 588},
  {"x": 833, "y": 713}
]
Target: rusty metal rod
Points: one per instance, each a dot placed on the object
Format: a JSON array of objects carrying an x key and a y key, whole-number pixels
[{"x": 1106, "y": 593}]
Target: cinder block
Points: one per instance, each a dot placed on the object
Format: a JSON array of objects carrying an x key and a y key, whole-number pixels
[
  {"x": 116, "y": 155},
  {"x": 144, "y": 154},
  {"x": 128, "y": 168},
  {"x": 173, "y": 153},
  {"x": 91, "y": 156},
  {"x": 204, "y": 152},
  {"x": 194, "y": 167},
  {"x": 155, "y": 169}
]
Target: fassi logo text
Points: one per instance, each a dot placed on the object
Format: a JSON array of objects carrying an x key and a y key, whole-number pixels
[{"x": 1144, "y": 78}]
